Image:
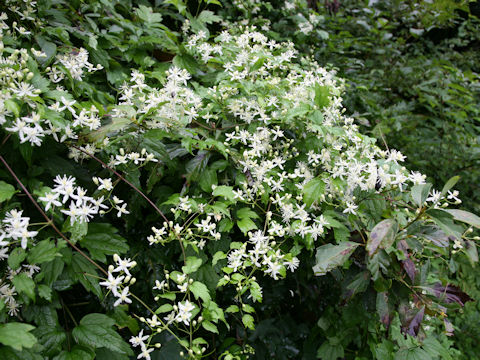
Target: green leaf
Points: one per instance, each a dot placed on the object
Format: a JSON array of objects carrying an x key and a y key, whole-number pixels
[
  {"x": 24, "y": 284},
  {"x": 44, "y": 251},
  {"x": 200, "y": 290},
  {"x": 95, "y": 330},
  {"x": 246, "y": 224},
  {"x": 207, "y": 179},
  {"x": 225, "y": 191},
  {"x": 248, "y": 321},
  {"x": 330, "y": 351},
  {"x": 232, "y": 309},
  {"x": 86, "y": 273},
  {"x": 77, "y": 353},
  {"x": 449, "y": 184},
  {"x": 382, "y": 236},
  {"x": 465, "y": 216},
  {"x": 445, "y": 221},
  {"x": 219, "y": 255},
  {"x": 192, "y": 264},
  {"x": 52, "y": 270},
  {"x": 420, "y": 193},
  {"x": 208, "y": 17},
  {"x": 16, "y": 257},
  {"x": 312, "y": 191},
  {"x": 146, "y": 14},
  {"x": 17, "y": 335},
  {"x": 12, "y": 106},
  {"x": 330, "y": 256},
  {"x": 77, "y": 230},
  {"x": 45, "y": 292},
  {"x": 50, "y": 337},
  {"x": 256, "y": 291},
  {"x": 207, "y": 325},
  {"x": 321, "y": 96},
  {"x": 164, "y": 308},
  {"x": 49, "y": 48},
  {"x": 6, "y": 191},
  {"x": 471, "y": 251},
  {"x": 102, "y": 239}
]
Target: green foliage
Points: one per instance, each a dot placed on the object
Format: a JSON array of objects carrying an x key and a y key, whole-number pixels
[{"x": 173, "y": 190}]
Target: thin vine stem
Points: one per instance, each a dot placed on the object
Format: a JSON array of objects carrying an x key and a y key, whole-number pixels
[
  {"x": 49, "y": 221},
  {"x": 123, "y": 179}
]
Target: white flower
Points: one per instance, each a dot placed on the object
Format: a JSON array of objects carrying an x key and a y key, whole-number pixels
[
  {"x": 139, "y": 339},
  {"x": 350, "y": 209},
  {"x": 122, "y": 298},
  {"x": 50, "y": 199},
  {"x": 184, "y": 312},
  {"x": 113, "y": 283},
  {"x": 145, "y": 353},
  {"x": 122, "y": 210}
]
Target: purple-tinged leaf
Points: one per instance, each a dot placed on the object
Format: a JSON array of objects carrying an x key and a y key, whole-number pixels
[
  {"x": 450, "y": 294},
  {"x": 382, "y": 235},
  {"x": 414, "y": 324}
]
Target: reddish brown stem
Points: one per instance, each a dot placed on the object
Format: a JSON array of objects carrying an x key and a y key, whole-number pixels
[{"x": 125, "y": 180}]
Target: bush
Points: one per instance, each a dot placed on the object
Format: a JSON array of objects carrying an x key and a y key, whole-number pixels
[{"x": 177, "y": 206}]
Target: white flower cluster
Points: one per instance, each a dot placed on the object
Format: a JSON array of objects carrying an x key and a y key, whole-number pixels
[
  {"x": 138, "y": 158},
  {"x": 172, "y": 106},
  {"x": 76, "y": 61},
  {"x": 81, "y": 207},
  {"x": 262, "y": 255},
  {"x": 15, "y": 79},
  {"x": 15, "y": 228},
  {"x": 114, "y": 283}
]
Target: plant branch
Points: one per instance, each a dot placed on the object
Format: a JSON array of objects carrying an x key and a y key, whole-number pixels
[{"x": 50, "y": 222}]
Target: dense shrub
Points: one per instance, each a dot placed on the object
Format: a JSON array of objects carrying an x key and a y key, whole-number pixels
[{"x": 170, "y": 194}]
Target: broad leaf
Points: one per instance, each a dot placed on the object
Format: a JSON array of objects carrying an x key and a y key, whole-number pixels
[
  {"x": 382, "y": 236},
  {"x": 6, "y": 191},
  {"x": 330, "y": 256},
  {"x": 465, "y": 216},
  {"x": 17, "y": 335},
  {"x": 312, "y": 191},
  {"x": 95, "y": 330}
]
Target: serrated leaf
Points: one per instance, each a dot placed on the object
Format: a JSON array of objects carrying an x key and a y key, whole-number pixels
[
  {"x": 51, "y": 338},
  {"x": 16, "y": 257},
  {"x": 95, "y": 330},
  {"x": 192, "y": 264},
  {"x": 246, "y": 224},
  {"x": 17, "y": 335},
  {"x": 330, "y": 351},
  {"x": 76, "y": 353},
  {"x": 382, "y": 236},
  {"x": 86, "y": 273},
  {"x": 102, "y": 239},
  {"x": 225, "y": 191},
  {"x": 248, "y": 321},
  {"x": 45, "y": 292},
  {"x": 330, "y": 256},
  {"x": 200, "y": 290},
  {"x": 219, "y": 255},
  {"x": 44, "y": 251},
  {"x": 256, "y": 291}
]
